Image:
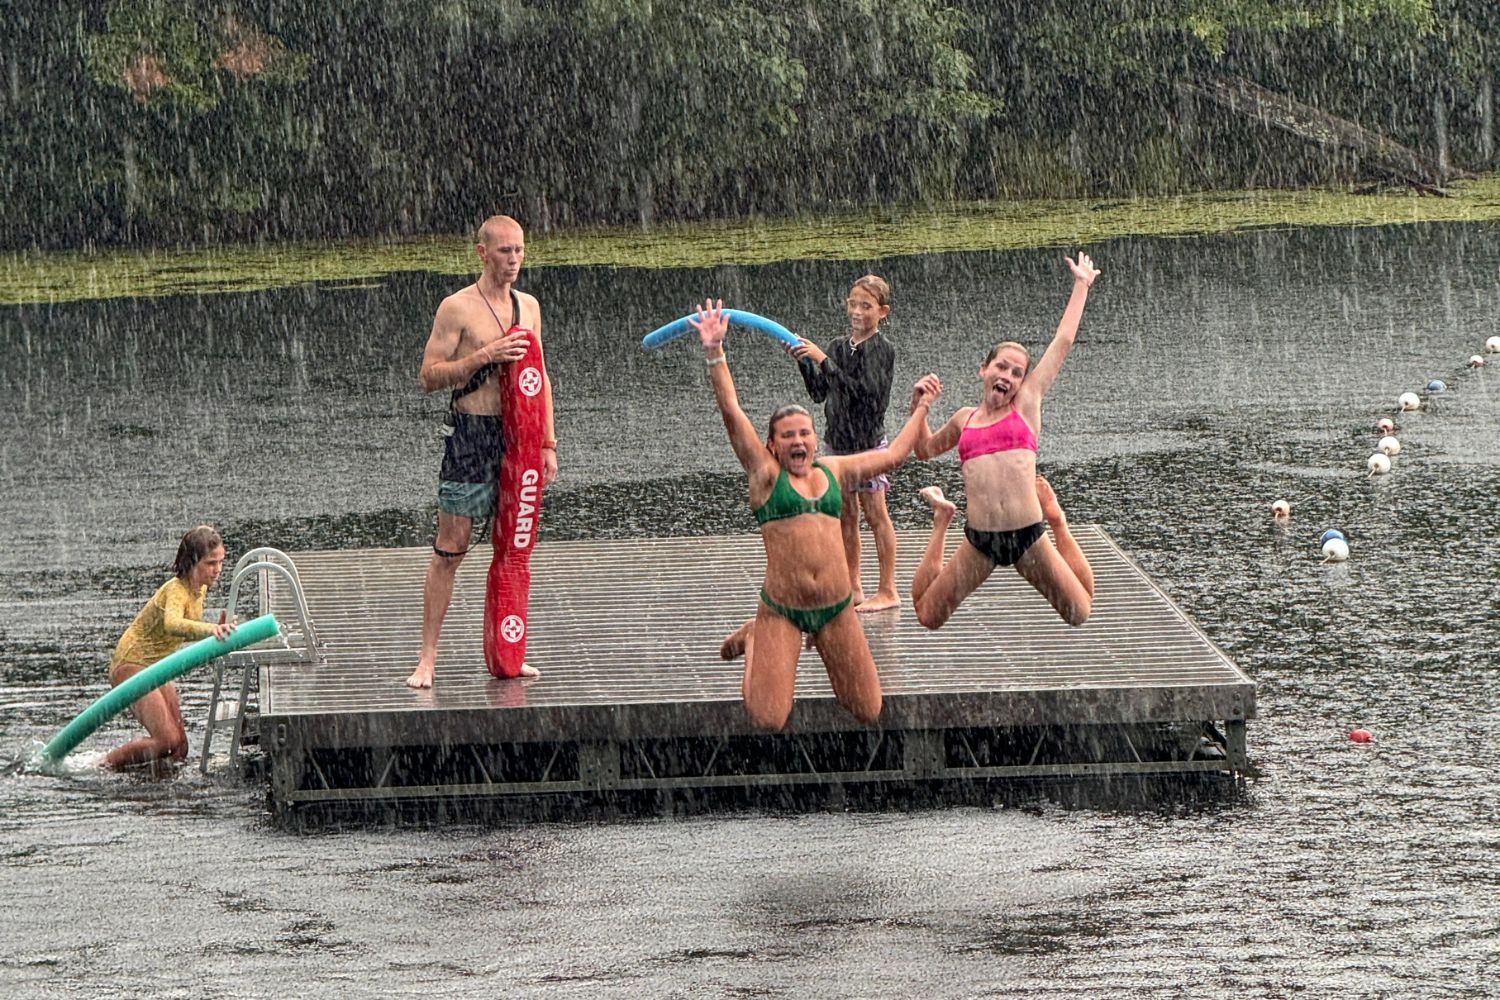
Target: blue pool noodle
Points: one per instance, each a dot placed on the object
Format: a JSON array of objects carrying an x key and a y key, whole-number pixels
[
  {"x": 676, "y": 328},
  {"x": 132, "y": 689}
]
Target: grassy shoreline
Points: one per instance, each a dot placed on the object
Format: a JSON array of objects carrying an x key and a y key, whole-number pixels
[{"x": 28, "y": 278}]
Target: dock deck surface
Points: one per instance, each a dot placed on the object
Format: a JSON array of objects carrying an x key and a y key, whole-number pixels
[{"x": 626, "y": 635}]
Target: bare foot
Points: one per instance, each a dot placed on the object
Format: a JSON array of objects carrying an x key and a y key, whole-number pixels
[
  {"x": 1051, "y": 509},
  {"x": 734, "y": 644},
  {"x": 857, "y": 595},
  {"x": 939, "y": 503},
  {"x": 882, "y": 601},
  {"x": 421, "y": 677},
  {"x": 527, "y": 670}
]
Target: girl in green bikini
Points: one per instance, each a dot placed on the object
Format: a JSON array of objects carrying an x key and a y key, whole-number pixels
[{"x": 797, "y": 501}]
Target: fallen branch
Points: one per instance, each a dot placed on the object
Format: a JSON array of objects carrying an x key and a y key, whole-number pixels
[{"x": 1279, "y": 111}]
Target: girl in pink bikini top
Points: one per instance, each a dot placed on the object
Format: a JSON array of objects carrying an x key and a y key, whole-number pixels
[
  {"x": 1005, "y": 496},
  {"x": 1006, "y": 434}
]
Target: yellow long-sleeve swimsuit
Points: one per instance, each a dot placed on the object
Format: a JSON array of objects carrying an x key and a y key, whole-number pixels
[{"x": 172, "y": 616}]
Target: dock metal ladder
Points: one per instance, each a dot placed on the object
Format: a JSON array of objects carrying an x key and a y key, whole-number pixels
[{"x": 298, "y": 644}]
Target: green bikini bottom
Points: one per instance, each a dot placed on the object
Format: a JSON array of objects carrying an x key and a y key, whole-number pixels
[{"x": 809, "y": 620}]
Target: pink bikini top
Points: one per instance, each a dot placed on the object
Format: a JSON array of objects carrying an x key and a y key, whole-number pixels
[{"x": 1009, "y": 432}]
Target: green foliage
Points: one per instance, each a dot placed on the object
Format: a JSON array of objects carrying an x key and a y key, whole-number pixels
[
  {"x": 154, "y": 121},
  {"x": 160, "y": 46}
]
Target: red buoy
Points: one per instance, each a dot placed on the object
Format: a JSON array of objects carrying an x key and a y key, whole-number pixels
[
  {"x": 518, "y": 509},
  {"x": 1361, "y": 735}
]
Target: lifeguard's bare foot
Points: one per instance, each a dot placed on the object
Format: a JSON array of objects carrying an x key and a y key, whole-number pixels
[
  {"x": 1047, "y": 496},
  {"x": 527, "y": 670},
  {"x": 733, "y": 646},
  {"x": 420, "y": 677},
  {"x": 882, "y": 601}
]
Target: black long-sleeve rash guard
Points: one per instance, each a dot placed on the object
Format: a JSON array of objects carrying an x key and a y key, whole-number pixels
[{"x": 854, "y": 384}]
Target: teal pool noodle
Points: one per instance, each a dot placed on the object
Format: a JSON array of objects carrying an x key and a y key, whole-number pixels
[
  {"x": 117, "y": 699},
  {"x": 666, "y": 334}
]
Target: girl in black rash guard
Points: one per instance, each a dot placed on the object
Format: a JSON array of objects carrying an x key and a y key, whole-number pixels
[{"x": 853, "y": 382}]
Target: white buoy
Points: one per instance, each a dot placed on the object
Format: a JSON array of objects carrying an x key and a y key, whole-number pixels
[
  {"x": 1281, "y": 510},
  {"x": 1379, "y": 464},
  {"x": 1385, "y": 425},
  {"x": 1335, "y": 550},
  {"x": 1475, "y": 361},
  {"x": 1409, "y": 401},
  {"x": 1389, "y": 447},
  {"x": 1492, "y": 345}
]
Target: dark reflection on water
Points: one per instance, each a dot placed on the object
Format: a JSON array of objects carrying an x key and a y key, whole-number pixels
[{"x": 1213, "y": 376}]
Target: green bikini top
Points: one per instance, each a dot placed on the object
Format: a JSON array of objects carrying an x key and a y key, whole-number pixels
[{"x": 785, "y": 501}]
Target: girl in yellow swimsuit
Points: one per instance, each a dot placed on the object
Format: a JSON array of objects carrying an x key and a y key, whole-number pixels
[
  {"x": 797, "y": 501},
  {"x": 174, "y": 615}
]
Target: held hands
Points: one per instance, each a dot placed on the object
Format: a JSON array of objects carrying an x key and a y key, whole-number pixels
[
  {"x": 1083, "y": 269},
  {"x": 224, "y": 627},
  {"x": 710, "y": 323},
  {"x": 807, "y": 349},
  {"x": 926, "y": 391}
]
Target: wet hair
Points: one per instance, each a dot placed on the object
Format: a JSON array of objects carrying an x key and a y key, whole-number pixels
[
  {"x": 786, "y": 411},
  {"x": 876, "y": 286},
  {"x": 995, "y": 352},
  {"x": 488, "y": 226},
  {"x": 196, "y": 544}
]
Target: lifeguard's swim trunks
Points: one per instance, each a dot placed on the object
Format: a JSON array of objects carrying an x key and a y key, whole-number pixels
[{"x": 467, "y": 482}]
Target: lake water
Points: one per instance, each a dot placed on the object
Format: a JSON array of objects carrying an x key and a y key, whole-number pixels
[{"x": 1212, "y": 376}]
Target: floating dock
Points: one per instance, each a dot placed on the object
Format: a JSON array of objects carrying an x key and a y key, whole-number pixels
[{"x": 634, "y": 699}]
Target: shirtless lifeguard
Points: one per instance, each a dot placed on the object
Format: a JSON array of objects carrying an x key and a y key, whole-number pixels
[{"x": 467, "y": 343}]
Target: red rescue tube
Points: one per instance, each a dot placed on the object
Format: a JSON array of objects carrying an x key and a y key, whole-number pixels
[{"x": 523, "y": 425}]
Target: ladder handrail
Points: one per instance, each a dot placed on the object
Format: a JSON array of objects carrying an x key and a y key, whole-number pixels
[
  {"x": 309, "y": 631},
  {"x": 262, "y": 554},
  {"x": 259, "y": 560}
]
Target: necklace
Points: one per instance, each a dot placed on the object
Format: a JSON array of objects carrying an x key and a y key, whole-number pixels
[{"x": 486, "y": 299}]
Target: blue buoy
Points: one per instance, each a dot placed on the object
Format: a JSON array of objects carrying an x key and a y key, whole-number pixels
[
  {"x": 671, "y": 331},
  {"x": 1331, "y": 533},
  {"x": 1437, "y": 385}
]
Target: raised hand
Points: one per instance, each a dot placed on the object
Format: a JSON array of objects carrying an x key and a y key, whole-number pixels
[
  {"x": 710, "y": 323},
  {"x": 1083, "y": 268},
  {"x": 926, "y": 391}
]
